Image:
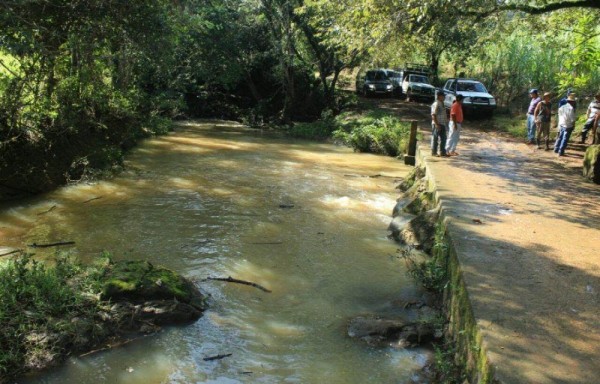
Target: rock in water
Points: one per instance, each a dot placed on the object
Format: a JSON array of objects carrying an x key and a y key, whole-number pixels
[
  {"x": 145, "y": 293},
  {"x": 591, "y": 163}
]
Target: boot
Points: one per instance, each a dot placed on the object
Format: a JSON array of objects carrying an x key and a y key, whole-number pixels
[
  {"x": 547, "y": 144},
  {"x": 538, "y": 144}
]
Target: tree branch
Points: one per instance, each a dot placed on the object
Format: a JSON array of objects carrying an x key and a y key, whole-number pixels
[{"x": 535, "y": 10}]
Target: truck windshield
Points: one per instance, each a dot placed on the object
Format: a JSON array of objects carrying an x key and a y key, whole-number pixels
[
  {"x": 376, "y": 76},
  {"x": 418, "y": 79},
  {"x": 470, "y": 86}
]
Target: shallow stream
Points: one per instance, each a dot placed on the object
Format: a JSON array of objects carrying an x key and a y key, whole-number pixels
[{"x": 306, "y": 220}]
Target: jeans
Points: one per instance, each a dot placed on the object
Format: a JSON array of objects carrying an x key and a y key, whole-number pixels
[
  {"x": 530, "y": 128},
  {"x": 563, "y": 139},
  {"x": 453, "y": 136},
  {"x": 586, "y": 128},
  {"x": 438, "y": 135}
]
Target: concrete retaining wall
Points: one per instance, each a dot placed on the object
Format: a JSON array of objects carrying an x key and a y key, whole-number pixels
[{"x": 463, "y": 329}]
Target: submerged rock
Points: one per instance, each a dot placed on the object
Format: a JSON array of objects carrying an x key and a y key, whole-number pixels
[
  {"x": 398, "y": 331},
  {"x": 591, "y": 163}
]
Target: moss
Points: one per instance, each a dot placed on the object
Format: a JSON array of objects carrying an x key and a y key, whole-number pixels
[
  {"x": 141, "y": 280},
  {"x": 415, "y": 174},
  {"x": 591, "y": 163},
  {"x": 463, "y": 329}
]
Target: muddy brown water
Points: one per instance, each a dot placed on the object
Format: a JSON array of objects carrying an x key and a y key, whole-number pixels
[{"x": 303, "y": 219}]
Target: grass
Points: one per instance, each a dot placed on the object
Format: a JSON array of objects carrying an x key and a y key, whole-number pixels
[
  {"x": 432, "y": 273},
  {"x": 515, "y": 125},
  {"x": 37, "y": 307}
]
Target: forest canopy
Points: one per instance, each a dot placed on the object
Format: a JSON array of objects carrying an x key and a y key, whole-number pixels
[{"x": 82, "y": 80}]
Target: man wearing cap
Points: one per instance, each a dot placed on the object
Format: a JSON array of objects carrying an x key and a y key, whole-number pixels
[
  {"x": 566, "y": 124},
  {"x": 455, "y": 125},
  {"x": 593, "y": 113},
  {"x": 439, "y": 122},
  {"x": 535, "y": 99},
  {"x": 542, "y": 116}
]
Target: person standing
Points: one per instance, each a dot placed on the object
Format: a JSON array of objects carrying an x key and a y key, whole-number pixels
[
  {"x": 439, "y": 121},
  {"x": 592, "y": 118},
  {"x": 566, "y": 124},
  {"x": 531, "y": 128},
  {"x": 542, "y": 116},
  {"x": 455, "y": 125},
  {"x": 563, "y": 101}
]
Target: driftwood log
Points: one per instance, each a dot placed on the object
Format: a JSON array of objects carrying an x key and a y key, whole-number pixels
[{"x": 230, "y": 279}]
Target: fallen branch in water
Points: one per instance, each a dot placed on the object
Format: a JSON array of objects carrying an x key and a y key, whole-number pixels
[
  {"x": 232, "y": 280},
  {"x": 92, "y": 199},
  {"x": 34, "y": 245},
  {"x": 389, "y": 177},
  {"x": 217, "y": 357},
  {"x": 374, "y": 176},
  {"x": 111, "y": 346},
  {"x": 11, "y": 252},
  {"x": 50, "y": 210}
]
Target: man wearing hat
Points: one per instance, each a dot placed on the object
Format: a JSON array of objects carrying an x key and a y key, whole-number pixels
[
  {"x": 542, "y": 116},
  {"x": 439, "y": 122},
  {"x": 566, "y": 124},
  {"x": 593, "y": 113},
  {"x": 535, "y": 99}
]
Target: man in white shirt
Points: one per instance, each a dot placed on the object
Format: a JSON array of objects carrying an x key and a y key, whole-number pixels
[
  {"x": 439, "y": 123},
  {"x": 566, "y": 124},
  {"x": 592, "y": 118}
]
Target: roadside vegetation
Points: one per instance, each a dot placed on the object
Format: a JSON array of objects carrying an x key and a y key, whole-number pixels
[
  {"x": 39, "y": 309},
  {"x": 82, "y": 81},
  {"x": 373, "y": 131}
]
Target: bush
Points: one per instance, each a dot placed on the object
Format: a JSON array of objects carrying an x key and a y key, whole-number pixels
[
  {"x": 319, "y": 129},
  {"x": 385, "y": 135},
  {"x": 37, "y": 304}
]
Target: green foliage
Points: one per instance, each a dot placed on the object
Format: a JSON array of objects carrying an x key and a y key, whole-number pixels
[
  {"x": 38, "y": 303},
  {"x": 384, "y": 135},
  {"x": 319, "y": 129},
  {"x": 446, "y": 371},
  {"x": 432, "y": 273}
]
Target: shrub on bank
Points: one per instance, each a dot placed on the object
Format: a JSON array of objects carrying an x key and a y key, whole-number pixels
[
  {"x": 37, "y": 307},
  {"x": 50, "y": 312},
  {"x": 384, "y": 135}
]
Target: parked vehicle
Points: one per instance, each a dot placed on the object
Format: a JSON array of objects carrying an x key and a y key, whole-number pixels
[
  {"x": 415, "y": 82},
  {"x": 417, "y": 87},
  {"x": 374, "y": 82},
  {"x": 396, "y": 78},
  {"x": 476, "y": 100}
]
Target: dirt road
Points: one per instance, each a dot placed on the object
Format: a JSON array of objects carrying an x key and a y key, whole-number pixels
[{"x": 526, "y": 228}]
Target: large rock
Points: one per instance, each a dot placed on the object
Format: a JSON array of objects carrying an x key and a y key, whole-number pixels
[
  {"x": 147, "y": 294},
  {"x": 591, "y": 163},
  {"x": 418, "y": 233},
  {"x": 416, "y": 327}
]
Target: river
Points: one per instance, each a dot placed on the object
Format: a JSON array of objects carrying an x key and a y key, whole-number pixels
[{"x": 307, "y": 220}]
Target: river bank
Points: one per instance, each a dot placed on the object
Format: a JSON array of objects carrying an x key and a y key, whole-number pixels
[{"x": 52, "y": 312}]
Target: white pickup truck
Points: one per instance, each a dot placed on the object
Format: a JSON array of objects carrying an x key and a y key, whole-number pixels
[
  {"x": 477, "y": 99},
  {"x": 417, "y": 87}
]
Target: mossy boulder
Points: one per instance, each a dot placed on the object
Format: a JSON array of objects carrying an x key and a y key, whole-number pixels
[
  {"x": 591, "y": 163},
  {"x": 142, "y": 280},
  {"x": 410, "y": 179}
]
